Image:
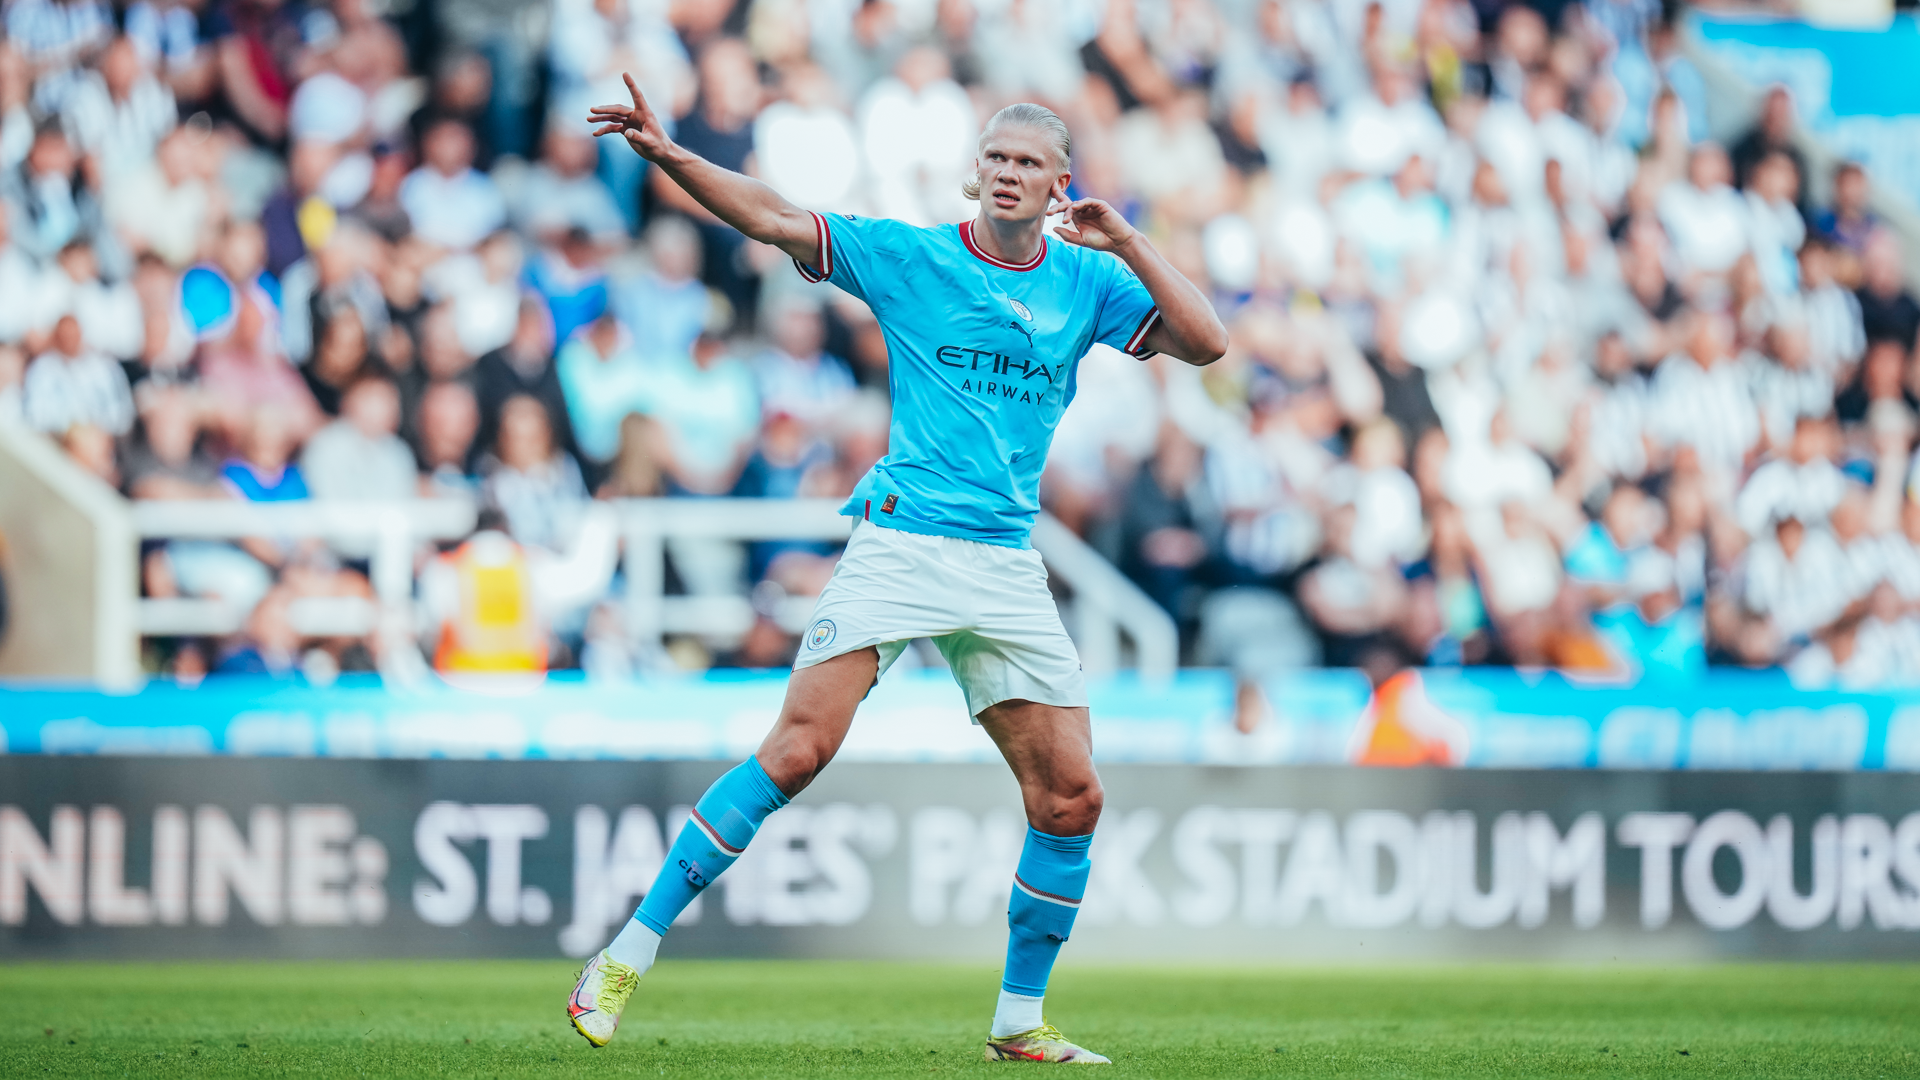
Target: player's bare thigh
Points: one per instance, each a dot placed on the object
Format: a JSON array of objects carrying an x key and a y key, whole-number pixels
[
  {"x": 1050, "y": 749},
  {"x": 814, "y": 719}
]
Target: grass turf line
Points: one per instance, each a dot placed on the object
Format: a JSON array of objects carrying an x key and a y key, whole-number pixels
[{"x": 799, "y": 1018}]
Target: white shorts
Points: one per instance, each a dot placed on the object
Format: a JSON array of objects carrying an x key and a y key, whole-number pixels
[{"x": 986, "y": 607}]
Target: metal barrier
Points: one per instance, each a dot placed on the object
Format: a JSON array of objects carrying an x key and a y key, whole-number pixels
[
  {"x": 390, "y": 530},
  {"x": 1105, "y": 603}
]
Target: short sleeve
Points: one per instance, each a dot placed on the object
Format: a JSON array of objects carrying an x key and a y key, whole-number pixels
[
  {"x": 1127, "y": 311},
  {"x": 861, "y": 255}
]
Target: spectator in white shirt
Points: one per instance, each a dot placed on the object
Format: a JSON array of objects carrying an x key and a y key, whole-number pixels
[
  {"x": 1387, "y": 528},
  {"x": 536, "y": 484},
  {"x": 163, "y": 205},
  {"x": 1835, "y": 335},
  {"x": 796, "y": 375},
  {"x": 1377, "y": 132},
  {"x": 110, "y": 316},
  {"x": 1786, "y": 384},
  {"x": 1706, "y": 218},
  {"x": 917, "y": 132},
  {"x": 71, "y": 385},
  {"x": 561, "y": 191},
  {"x": 119, "y": 112},
  {"x": 1299, "y": 141},
  {"x": 360, "y": 456},
  {"x": 449, "y": 202},
  {"x": 1805, "y": 484},
  {"x": 1775, "y": 229},
  {"x": 1798, "y": 578},
  {"x": 1702, "y": 400}
]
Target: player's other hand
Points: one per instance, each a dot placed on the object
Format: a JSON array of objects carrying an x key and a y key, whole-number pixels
[
  {"x": 636, "y": 123},
  {"x": 1091, "y": 223}
]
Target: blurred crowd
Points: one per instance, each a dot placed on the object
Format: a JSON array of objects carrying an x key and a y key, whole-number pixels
[{"x": 1525, "y": 370}]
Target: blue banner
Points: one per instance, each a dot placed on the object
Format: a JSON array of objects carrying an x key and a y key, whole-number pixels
[{"x": 1482, "y": 717}]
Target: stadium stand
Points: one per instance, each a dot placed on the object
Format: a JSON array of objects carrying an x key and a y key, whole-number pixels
[{"x": 1527, "y": 368}]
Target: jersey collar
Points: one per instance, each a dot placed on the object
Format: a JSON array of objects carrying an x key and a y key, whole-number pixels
[{"x": 966, "y": 237}]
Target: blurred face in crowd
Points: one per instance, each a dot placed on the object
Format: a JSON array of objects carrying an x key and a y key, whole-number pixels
[
  {"x": 800, "y": 331},
  {"x": 67, "y": 339},
  {"x": 526, "y": 435},
  {"x": 1886, "y": 368},
  {"x": 1880, "y": 264},
  {"x": 269, "y": 441},
  {"x": 604, "y": 336},
  {"x": 176, "y": 158},
  {"x": 342, "y": 349},
  {"x": 51, "y": 155},
  {"x": 120, "y": 67},
  {"x": 373, "y": 407},
  {"x": 729, "y": 84},
  {"x": 243, "y": 251},
  {"x": 1709, "y": 168},
  {"x": 448, "y": 148},
  {"x": 1544, "y": 96},
  {"x": 79, "y": 263},
  {"x": 1709, "y": 337},
  {"x": 172, "y": 426},
  {"x": 449, "y": 417},
  {"x": 1850, "y": 191},
  {"x": 1625, "y": 515},
  {"x": 675, "y": 250},
  {"x": 1776, "y": 116},
  {"x": 569, "y": 153},
  {"x": 1378, "y": 446},
  {"x": 440, "y": 350},
  {"x": 1810, "y": 440},
  {"x": 1020, "y": 173},
  {"x": 1775, "y": 178}
]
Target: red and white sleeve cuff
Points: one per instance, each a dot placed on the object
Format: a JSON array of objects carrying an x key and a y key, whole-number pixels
[
  {"x": 824, "y": 238},
  {"x": 1137, "y": 344}
]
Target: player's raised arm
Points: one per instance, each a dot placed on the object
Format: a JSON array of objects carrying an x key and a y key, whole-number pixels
[
  {"x": 740, "y": 201},
  {"x": 1189, "y": 328}
]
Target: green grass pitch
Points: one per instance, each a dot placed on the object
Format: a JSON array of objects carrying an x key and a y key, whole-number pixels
[{"x": 777, "y": 1019}]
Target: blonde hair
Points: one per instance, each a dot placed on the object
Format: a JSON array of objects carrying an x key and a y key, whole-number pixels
[{"x": 1027, "y": 114}]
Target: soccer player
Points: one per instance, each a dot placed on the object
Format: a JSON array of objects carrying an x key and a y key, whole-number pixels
[{"x": 985, "y": 324}]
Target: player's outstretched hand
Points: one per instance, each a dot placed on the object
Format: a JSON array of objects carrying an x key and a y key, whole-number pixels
[
  {"x": 636, "y": 123},
  {"x": 1092, "y": 223}
]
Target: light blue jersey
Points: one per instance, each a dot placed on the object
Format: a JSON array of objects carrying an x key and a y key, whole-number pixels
[{"x": 981, "y": 356}]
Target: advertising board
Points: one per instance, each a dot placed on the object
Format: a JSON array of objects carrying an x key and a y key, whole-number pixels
[{"x": 211, "y": 856}]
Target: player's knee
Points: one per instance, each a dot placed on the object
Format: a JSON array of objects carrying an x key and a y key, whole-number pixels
[
  {"x": 1075, "y": 810},
  {"x": 796, "y": 754}
]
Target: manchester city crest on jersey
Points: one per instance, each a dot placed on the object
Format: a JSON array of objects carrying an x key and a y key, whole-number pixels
[
  {"x": 1020, "y": 309},
  {"x": 821, "y": 635}
]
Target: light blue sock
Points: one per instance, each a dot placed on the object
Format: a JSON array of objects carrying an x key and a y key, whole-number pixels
[
  {"x": 1046, "y": 896},
  {"x": 722, "y": 824}
]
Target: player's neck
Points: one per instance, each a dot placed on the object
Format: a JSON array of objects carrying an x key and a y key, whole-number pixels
[{"x": 1015, "y": 242}]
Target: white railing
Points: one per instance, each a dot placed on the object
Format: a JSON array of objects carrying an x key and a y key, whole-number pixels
[
  {"x": 1106, "y": 604},
  {"x": 389, "y": 531}
]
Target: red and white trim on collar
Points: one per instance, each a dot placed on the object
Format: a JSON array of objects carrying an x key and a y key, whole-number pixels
[
  {"x": 966, "y": 237},
  {"x": 1137, "y": 344},
  {"x": 823, "y": 235}
]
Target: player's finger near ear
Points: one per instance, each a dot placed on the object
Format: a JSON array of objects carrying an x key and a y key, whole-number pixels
[{"x": 639, "y": 102}]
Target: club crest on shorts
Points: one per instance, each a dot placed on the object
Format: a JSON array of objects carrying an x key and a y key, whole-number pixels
[
  {"x": 821, "y": 635},
  {"x": 1020, "y": 309}
]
